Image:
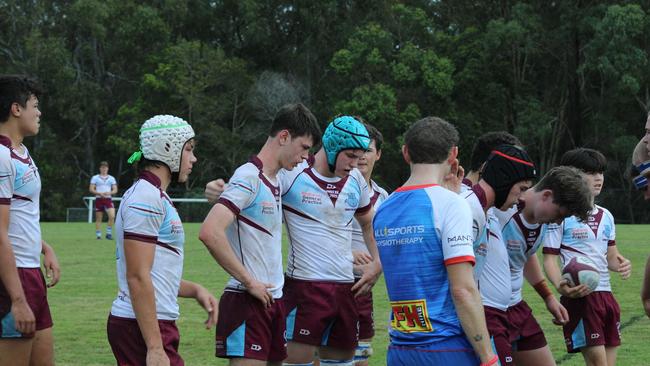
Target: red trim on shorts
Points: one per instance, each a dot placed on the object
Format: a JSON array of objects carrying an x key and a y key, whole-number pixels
[
  {"x": 412, "y": 188},
  {"x": 141, "y": 237},
  {"x": 229, "y": 205},
  {"x": 5, "y": 201},
  {"x": 461, "y": 259},
  {"x": 611, "y": 243},
  {"x": 554, "y": 251},
  {"x": 512, "y": 158}
]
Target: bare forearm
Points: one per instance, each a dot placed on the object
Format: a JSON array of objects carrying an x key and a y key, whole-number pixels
[
  {"x": 645, "y": 290},
  {"x": 472, "y": 318},
  {"x": 188, "y": 289},
  {"x": 552, "y": 269},
  {"x": 9, "y": 272},
  {"x": 219, "y": 248},
  {"x": 144, "y": 305}
]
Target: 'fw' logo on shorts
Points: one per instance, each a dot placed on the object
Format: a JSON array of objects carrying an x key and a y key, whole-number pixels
[{"x": 410, "y": 316}]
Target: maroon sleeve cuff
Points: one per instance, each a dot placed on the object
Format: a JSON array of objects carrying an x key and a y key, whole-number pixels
[
  {"x": 141, "y": 237},
  {"x": 5, "y": 201},
  {"x": 363, "y": 210},
  {"x": 230, "y": 205},
  {"x": 554, "y": 251},
  {"x": 611, "y": 243}
]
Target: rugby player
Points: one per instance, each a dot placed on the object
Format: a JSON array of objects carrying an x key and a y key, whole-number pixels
[{"x": 103, "y": 186}]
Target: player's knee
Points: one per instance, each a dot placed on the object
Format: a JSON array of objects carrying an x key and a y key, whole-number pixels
[
  {"x": 362, "y": 353},
  {"x": 326, "y": 362}
]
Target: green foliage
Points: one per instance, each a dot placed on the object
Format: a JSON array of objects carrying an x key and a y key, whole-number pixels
[{"x": 559, "y": 75}]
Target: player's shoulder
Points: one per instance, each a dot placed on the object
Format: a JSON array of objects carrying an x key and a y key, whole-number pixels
[
  {"x": 247, "y": 170},
  {"x": 357, "y": 177},
  {"x": 606, "y": 212},
  {"x": 112, "y": 178},
  {"x": 382, "y": 192},
  {"x": 447, "y": 199},
  {"x": 145, "y": 192}
]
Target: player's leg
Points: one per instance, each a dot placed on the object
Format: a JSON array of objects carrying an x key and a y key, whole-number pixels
[
  {"x": 594, "y": 356},
  {"x": 99, "y": 216},
  {"x": 336, "y": 356},
  {"x": 111, "y": 220},
  {"x": 341, "y": 339},
  {"x": 300, "y": 353},
  {"x": 15, "y": 352},
  {"x": 42, "y": 353},
  {"x": 536, "y": 357},
  {"x": 611, "y": 355},
  {"x": 364, "y": 350},
  {"x": 497, "y": 324}
]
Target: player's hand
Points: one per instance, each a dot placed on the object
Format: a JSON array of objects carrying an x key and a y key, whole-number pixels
[
  {"x": 23, "y": 317},
  {"x": 559, "y": 312},
  {"x": 214, "y": 189},
  {"x": 261, "y": 292},
  {"x": 157, "y": 357},
  {"x": 646, "y": 307},
  {"x": 624, "y": 267},
  {"x": 361, "y": 257},
  {"x": 574, "y": 292},
  {"x": 210, "y": 304},
  {"x": 52, "y": 268},
  {"x": 371, "y": 273},
  {"x": 454, "y": 178}
]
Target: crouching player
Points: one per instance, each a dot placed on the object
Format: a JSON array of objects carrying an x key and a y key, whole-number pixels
[
  {"x": 150, "y": 245},
  {"x": 562, "y": 192},
  {"x": 424, "y": 236},
  {"x": 243, "y": 232},
  {"x": 594, "y": 318}
]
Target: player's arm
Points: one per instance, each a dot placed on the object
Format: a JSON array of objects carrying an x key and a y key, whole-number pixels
[
  {"x": 617, "y": 263},
  {"x": 534, "y": 276},
  {"x": 93, "y": 189},
  {"x": 552, "y": 269},
  {"x": 203, "y": 297},
  {"x": 467, "y": 301},
  {"x": 113, "y": 189},
  {"x": 139, "y": 258},
  {"x": 23, "y": 316},
  {"x": 51, "y": 264},
  {"x": 213, "y": 235},
  {"x": 645, "y": 289},
  {"x": 214, "y": 189},
  {"x": 372, "y": 270}
]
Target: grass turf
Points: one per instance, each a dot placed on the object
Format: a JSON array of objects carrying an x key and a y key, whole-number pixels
[{"x": 81, "y": 301}]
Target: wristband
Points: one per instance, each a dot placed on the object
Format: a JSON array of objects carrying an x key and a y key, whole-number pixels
[
  {"x": 493, "y": 361},
  {"x": 542, "y": 289}
]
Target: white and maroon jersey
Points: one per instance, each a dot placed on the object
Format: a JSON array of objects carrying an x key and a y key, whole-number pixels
[
  {"x": 20, "y": 187},
  {"x": 318, "y": 213},
  {"x": 475, "y": 197},
  {"x": 256, "y": 234},
  {"x": 378, "y": 195},
  {"x": 522, "y": 239},
  {"x": 104, "y": 183},
  {"x": 148, "y": 215},
  {"x": 494, "y": 281},
  {"x": 590, "y": 239}
]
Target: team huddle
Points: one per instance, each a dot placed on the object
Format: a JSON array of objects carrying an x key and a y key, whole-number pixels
[{"x": 455, "y": 248}]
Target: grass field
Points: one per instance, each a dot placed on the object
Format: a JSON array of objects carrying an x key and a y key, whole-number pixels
[{"x": 81, "y": 301}]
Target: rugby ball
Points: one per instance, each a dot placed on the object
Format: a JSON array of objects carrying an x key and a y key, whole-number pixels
[{"x": 581, "y": 270}]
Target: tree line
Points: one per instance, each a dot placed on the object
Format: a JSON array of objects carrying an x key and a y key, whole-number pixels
[{"x": 558, "y": 74}]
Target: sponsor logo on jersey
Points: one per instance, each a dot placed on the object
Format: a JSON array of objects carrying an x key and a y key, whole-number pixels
[
  {"x": 410, "y": 316},
  {"x": 311, "y": 198},
  {"x": 352, "y": 200},
  {"x": 513, "y": 245},
  {"x": 268, "y": 208},
  {"x": 177, "y": 227},
  {"x": 580, "y": 234},
  {"x": 400, "y": 230}
]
